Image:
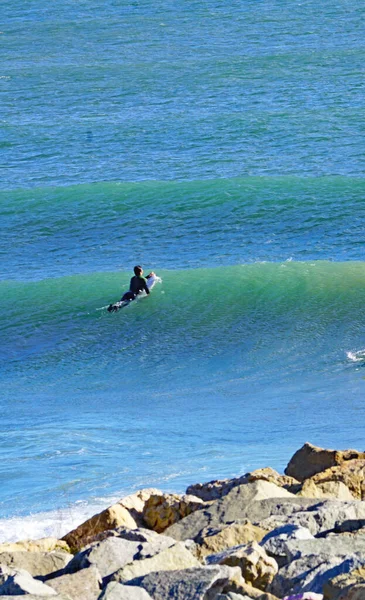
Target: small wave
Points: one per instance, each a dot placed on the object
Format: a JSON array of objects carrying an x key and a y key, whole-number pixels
[{"x": 358, "y": 356}]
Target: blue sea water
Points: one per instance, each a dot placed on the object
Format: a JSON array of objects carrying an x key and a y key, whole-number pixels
[{"x": 222, "y": 145}]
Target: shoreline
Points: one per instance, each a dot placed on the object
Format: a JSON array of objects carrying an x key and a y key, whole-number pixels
[{"x": 264, "y": 535}]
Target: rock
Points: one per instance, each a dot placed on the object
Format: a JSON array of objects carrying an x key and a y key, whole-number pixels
[
  {"x": 36, "y": 563},
  {"x": 108, "y": 556},
  {"x": 275, "y": 542},
  {"x": 310, "y": 573},
  {"x": 350, "y": 473},
  {"x": 214, "y": 540},
  {"x": 37, "y": 597},
  {"x": 328, "y": 489},
  {"x": 256, "y": 566},
  {"x": 333, "y": 546},
  {"x": 347, "y": 586},
  {"x": 112, "y": 517},
  {"x": 309, "y": 460},
  {"x": 118, "y": 591},
  {"x": 197, "y": 584},
  {"x": 85, "y": 584},
  {"x": 135, "y": 503},
  {"x": 269, "y": 474},
  {"x": 161, "y": 511},
  {"x": 42, "y": 545},
  {"x": 18, "y": 582},
  {"x": 233, "y": 507},
  {"x": 176, "y": 557}
]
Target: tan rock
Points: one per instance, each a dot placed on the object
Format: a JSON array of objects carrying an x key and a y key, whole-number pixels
[
  {"x": 42, "y": 545},
  {"x": 269, "y": 474},
  {"x": 347, "y": 586},
  {"x": 135, "y": 503},
  {"x": 110, "y": 518},
  {"x": 327, "y": 489},
  {"x": 309, "y": 460},
  {"x": 213, "y": 490},
  {"x": 217, "y": 540},
  {"x": 161, "y": 511},
  {"x": 350, "y": 473},
  {"x": 258, "y": 569}
]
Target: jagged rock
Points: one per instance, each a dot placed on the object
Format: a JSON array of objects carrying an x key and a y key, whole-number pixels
[
  {"x": 85, "y": 584},
  {"x": 42, "y": 545},
  {"x": 118, "y": 591},
  {"x": 310, "y": 573},
  {"x": 161, "y": 511},
  {"x": 174, "y": 558},
  {"x": 214, "y": 540},
  {"x": 256, "y": 566},
  {"x": 36, "y": 597},
  {"x": 333, "y": 546},
  {"x": 216, "y": 489},
  {"x": 234, "y": 506},
  {"x": 36, "y": 563},
  {"x": 351, "y": 473},
  {"x": 327, "y": 489},
  {"x": 110, "y": 518},
  {"x": 309, "y": 460},
  {"x": 275, "y": 542},
  {"x": 347, "y": 586},
  {"x": 151, "y": 542},
  {"x": 108, "y": 556},
  {"x": 135, "y": 503},
  {"x": 197, "y": 584},
  {"x": 18, "y": 582}
]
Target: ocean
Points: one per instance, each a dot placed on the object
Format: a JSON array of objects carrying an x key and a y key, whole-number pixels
[{"x": 220, "y": 144}]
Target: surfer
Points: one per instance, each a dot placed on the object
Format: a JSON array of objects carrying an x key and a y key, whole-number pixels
[{"x": 137, "y": 284}]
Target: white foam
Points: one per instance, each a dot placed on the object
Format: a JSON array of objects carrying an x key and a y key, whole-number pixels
[
  {"x": 358, "y": 356},
  {"x": 54, "y": 523}
]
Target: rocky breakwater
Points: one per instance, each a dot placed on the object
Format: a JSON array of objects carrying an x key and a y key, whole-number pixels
[{"x": 260, "y": 536}]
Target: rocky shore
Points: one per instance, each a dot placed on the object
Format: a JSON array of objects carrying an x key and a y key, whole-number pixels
[{"x": 262, "y": 536}]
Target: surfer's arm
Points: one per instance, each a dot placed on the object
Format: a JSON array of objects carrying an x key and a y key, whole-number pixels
[{"x": 145, "y": 286}]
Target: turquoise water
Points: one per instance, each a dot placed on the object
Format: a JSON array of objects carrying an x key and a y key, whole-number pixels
[{"x": 221, "y": 145}]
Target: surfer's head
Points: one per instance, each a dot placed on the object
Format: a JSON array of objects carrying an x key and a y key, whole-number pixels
[{"x": 138, "y": 270}]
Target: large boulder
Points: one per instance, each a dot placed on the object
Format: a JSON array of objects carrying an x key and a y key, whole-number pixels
[
  {"x": 328, "y": 489},
  {"x": 310, "y": 573},
  {"x": 18, "y": 582},
  {"x": 350, "y": 473},
  {"x": 234, "y": 506},
  {"x": 256, "y": 566},
  {"x": 85, "y": 584},
  {"x": 332, "y": 546},
  {"x": 110, "y": 518},
  {"x": 275, "y": 542},
  {"x": 161, "y": 511},
  {"x": 170, "y": 559},
  {"x": 309, "y": 460},
  {"x": 201, "y": 583},
  {"x": 36, "y": 563},
  {"x": 216, "y": 539},
  {"x": 347, "y": 586}
]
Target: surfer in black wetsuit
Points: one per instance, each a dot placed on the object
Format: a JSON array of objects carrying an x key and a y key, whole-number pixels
[{"x": 137, "y": 285}]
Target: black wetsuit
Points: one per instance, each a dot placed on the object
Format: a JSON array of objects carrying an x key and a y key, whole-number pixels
[{"x": 137, "y": 285}]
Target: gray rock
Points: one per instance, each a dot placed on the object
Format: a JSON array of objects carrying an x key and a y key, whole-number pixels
[
  {"x": 118, "y": 591},
  {"x": 275, "y": 542},
  {"x": 17, "y": 582},
  {"x": 309, "y": 573},
  {"x": 189, "y": 584},
  {"x": 36, "y": 563},
  {"x": 235, "y": 506},
  {"x": 231, "y": 596},
  {"x": 37, "y": 597},
  {"x": 108, "y": 556},
  {"x": 85, "y": 584},
  {"x": 332, "y": 546},
  {"x": 176, "y": 557}
]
